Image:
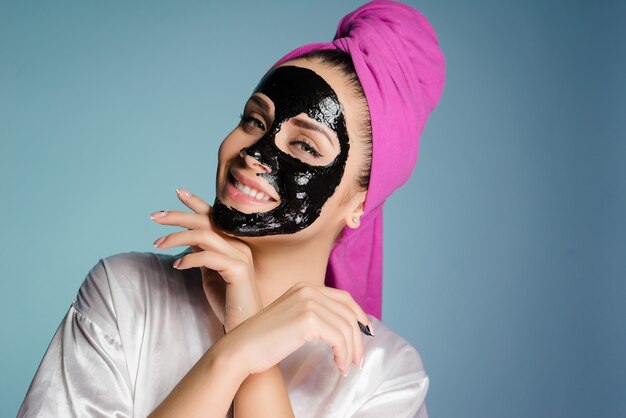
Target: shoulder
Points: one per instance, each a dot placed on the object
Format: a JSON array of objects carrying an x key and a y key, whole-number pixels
[
  {"x": 392, "y": 348},
  {"x": 395, "y": 374},
  {"x": 126, "y": 279},
  {"x": 128, "y": 265},
  {"x": 127, "y": 269},
  {"x": 393, "y": 359}
]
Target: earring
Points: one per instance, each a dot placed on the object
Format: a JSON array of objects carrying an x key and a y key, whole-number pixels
[{"x": 355, "y": 220}]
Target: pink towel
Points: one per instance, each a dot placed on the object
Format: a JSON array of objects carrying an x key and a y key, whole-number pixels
[{"x": 396, "y": 55}]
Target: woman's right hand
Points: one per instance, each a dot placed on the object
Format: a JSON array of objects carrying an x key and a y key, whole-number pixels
[
  {"x": 303, "y": 313},
  {"x": 226, "y": 264}
]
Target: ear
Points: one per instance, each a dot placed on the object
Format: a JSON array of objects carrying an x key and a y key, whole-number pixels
[{"x": 357, "y": 203}]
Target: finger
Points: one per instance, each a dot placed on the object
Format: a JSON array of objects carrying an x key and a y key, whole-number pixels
[
  {"x": 231, "y": 271},
  {"x": 193, "y": 202},
  {"x": 203, "y": 238},
  {"x": 209, "y": 259},
  {"x": 187, "y": 220},
  {"x": 351, "y": 324},
  {"x": 322, "y": 324},
  {"x": 315, "y": 307},
  {"x": 346, "y": 298}
]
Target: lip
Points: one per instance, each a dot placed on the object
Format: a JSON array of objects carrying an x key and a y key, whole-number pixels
[
  {"x": 255, "y": 185},
  {"x": 236, "y": 195}
]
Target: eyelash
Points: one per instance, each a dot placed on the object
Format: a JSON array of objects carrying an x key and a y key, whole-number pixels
[
  {"x": 305, "y": 145},
  {"x": 247, "y": 119}
]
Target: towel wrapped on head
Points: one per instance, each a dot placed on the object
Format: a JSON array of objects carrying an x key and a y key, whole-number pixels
[{"x": 397, "y": 58}]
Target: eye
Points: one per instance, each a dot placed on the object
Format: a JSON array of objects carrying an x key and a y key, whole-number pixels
[
  {"x": 250, "y": 123},
  {"x": 306, "y": 146}
]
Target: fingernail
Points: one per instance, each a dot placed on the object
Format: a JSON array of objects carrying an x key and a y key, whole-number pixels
[
  {"x": 158, "y": 241},
  {"x": 361, "y": 362},
  {"x": 158, "y": 214},
  {"x": 365, "y": 329},
  {"x": 176, "y": 263},
  {"x": 183, "y": 193}
]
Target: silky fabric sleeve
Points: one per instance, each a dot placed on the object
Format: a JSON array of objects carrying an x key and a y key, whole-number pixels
[
  {"x": 402, "y": 392},
  {"x": 83, "y": 372}
]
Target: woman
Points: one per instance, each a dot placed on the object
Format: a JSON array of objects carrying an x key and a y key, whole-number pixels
[{"x": 252, "y": 316}]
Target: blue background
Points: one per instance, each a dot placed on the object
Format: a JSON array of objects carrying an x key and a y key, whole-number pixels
[{"x": 505, "y": 252}]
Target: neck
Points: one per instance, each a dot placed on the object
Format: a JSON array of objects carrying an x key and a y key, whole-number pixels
[{"x": 278, "y": 267}]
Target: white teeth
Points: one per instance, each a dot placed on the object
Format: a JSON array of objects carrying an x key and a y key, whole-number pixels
[{"x": 257, "y": 194}]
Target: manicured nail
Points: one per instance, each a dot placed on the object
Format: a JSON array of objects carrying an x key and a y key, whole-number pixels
[
  {"x": 158, "y": 214},
  {"x": 361, "y": 362},
  {"x": 176, "y": 263},
  {"x": 365, "y": 329},
  {"x": 183, "y": 193},
  {"x": 158, "y": 241}
]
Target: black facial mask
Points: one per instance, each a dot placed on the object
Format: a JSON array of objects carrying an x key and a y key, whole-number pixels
[{"x": 303, "y": 188}]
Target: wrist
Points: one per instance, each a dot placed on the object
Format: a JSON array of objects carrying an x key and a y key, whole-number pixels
[{"x": 225, "y": 357}]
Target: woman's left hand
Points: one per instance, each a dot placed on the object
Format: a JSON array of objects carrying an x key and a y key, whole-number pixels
[{"x": 226, "y": 263}]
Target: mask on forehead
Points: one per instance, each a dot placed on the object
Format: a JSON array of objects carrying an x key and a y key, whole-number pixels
[{"x": 303, "y": 188}]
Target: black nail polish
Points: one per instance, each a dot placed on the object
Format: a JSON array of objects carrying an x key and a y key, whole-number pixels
[{"x": 365, "y": 329}]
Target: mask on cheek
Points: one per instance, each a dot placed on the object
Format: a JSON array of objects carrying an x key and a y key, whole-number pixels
[{"x": 303, "y": 188}]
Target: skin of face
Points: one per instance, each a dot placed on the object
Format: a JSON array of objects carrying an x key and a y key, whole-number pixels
[{"x": 305, "y": 143}]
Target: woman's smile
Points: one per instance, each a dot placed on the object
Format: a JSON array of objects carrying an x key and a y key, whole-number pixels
[
  {"x": 243, "y": 190},
  {"x": 258, "y": 195}
]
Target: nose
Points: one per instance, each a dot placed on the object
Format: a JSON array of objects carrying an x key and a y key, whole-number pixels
[{"x": 251, "y": 159}]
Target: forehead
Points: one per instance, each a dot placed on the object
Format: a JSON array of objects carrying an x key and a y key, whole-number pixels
[
  {"x": 353, "y": 107},
  {"x": 295, "y": 90}
]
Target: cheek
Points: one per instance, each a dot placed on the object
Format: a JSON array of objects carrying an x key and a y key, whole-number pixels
[
  {"x": 229, "y": 148},
  {"x": 347, "y": 186}
]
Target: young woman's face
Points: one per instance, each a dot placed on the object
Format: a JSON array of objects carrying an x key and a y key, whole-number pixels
[{"x": 291, "y": 164}]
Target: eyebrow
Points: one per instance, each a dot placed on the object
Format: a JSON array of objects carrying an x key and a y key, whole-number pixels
[
  {"x": 312, "y": 126},
  {"x": 261, "y": 103}
]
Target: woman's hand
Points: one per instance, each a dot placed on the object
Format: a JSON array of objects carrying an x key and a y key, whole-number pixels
[
  {"x": 262, "y": 337},
  {"x": 303, "y": 313},
  {"x": 225, "y": 262}
]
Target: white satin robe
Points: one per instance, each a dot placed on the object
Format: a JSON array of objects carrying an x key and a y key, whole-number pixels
[{"x": 138, "y": 325}]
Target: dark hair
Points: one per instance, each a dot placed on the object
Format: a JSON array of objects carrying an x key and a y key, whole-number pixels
[{"x": 342, "y": 61}]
